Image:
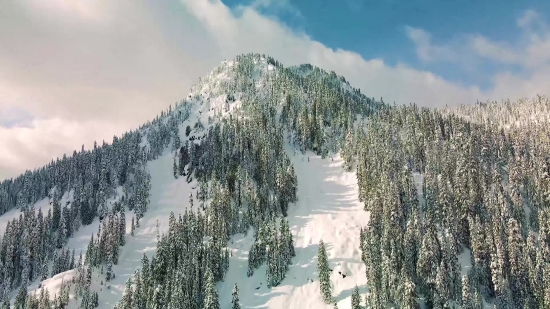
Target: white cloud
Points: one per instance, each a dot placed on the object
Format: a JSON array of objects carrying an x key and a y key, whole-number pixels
[
  {"x": 500, "y": 52},
  {"x": 527, "y": 18},
  {"x": 530, "y": 55},
  {"x": 14, "y": 117},
  {"x": 274, "y": 6},
  {"x": 90, "y": 70},
  {"x": 30, "y": 147},
  {"x": 531, "y": 50},
  {"x": 429, "y": 52}
]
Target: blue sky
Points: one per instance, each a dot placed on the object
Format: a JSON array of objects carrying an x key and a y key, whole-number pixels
[{"x": 377, "y": 28}]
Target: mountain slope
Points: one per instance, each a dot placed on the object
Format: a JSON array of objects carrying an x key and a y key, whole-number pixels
[
  {"x": 243, "y": 89},
  {"x": 238, "y": 184},
  {"x": 328, "y": 208}
]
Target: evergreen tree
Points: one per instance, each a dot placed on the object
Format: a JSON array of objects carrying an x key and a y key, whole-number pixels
[
  {"x": 355, "y": 299},
  {"x": 21, "y": 298},
  {"x": 175, "y": 169},
  {"x": 109, "y": 275},
  {"x": 127, "y": 298},
  {"x": 235, "y": 300},
  {"x": 211, "y": 299},
  {"x": 324, "y": 273},
  {"x": 122, "y": 227},
  {"x": 467, "y": 297},
  {"x": 132, "y": 227}
]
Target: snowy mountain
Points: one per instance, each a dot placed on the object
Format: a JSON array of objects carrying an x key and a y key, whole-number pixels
[{"x": 274, "y": 187}]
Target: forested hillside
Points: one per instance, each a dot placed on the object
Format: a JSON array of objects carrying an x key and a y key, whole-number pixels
[
  {"x": 478, "y": 229},
  {"x": 457, "y": 201}
]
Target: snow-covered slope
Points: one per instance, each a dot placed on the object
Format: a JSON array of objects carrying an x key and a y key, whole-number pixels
[
  {"x": 328, "y": 208},
  {"x": 43, "y": 205}
]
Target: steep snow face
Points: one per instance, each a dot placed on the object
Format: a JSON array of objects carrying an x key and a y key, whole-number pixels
[{"x": 328, "y": 208}]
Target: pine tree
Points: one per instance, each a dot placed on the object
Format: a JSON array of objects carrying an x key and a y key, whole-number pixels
[
  {"x": 184, "y": 158},
  {"x": 21, "y": 298},
  {"x": 187, "y": 130},
  {"x": 211, "y": 299},
  {"x": 44, "y": 270},
  {"x": 324, "y": 273},
  {"x": 133, "y": 227},
  {"x": 109, "y": 272},
  {"x": 127, "y": 298},
  {"x": 175, "y": 169},
  {"x": 157, "y": 227},
  {"x": 88, "y": 278},
  {"x": 122, "y": 227},
  {"x": 156, "y": 302},
  {"x": 355, "y": 299},
  {"x": 409, "y": 295},
  {"x": 235, "y": 301},
  {"x": 467, "y": 297}
]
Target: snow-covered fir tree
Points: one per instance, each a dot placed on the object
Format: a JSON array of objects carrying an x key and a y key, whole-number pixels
[{"x": 323, "y": 269}]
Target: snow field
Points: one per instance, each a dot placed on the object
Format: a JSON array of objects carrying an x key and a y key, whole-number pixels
[{"x": 328, "y": 208}]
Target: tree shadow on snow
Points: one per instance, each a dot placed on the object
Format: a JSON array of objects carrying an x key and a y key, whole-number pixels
[
  {"x": 347, "y": 293},
  {"x": 253, "y": 291}
]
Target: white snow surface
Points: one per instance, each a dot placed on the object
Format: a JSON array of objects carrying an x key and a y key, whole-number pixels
[{"x": 328, "y": 208}]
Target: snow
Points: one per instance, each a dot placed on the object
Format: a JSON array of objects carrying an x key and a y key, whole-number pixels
[
  {"x": 465, "y": 260},
  {"x": 328, "y": 208},
  {"x": 43, "y": 204},
  {"x": 167, "y": 194}
]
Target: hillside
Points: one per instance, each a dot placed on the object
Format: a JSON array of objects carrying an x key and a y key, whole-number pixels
[{"x": 293, "y": 186}]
